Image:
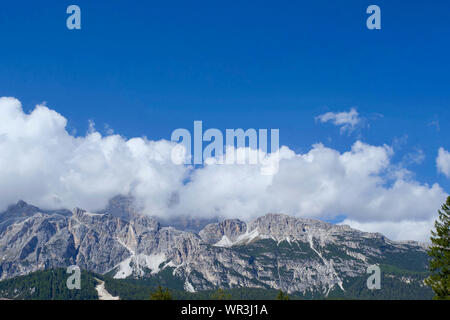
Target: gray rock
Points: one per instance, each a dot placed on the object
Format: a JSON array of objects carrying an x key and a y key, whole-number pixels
[{"x": 272, "y": 251}]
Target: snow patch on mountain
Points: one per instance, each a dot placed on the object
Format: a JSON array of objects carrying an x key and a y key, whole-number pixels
[
  {"x": 248, "y": 236},
  {"x": 136, "y": 265},
  {"x": 244, "y": 238},
  {"x": 188, "y": 286},
  {"x": 224, "y": 242}
]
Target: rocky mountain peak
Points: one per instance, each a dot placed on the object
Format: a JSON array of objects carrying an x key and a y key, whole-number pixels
[
  {"x": 283, "y": 227},
  {"x": 16, "y": 212},
  {"x": 21, "y": 208},
  {"x": 21, "y": 204},
  {"x": 274, "y": 250},
  {"x": 226, "y": 230}
]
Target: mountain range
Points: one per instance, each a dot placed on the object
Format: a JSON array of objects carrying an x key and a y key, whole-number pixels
[{"x": 300, "y": 256}]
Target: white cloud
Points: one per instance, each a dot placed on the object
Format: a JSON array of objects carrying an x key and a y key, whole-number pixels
[
  {"x": 43, "y": 164},
  {"x": 346, "y": 120},
  {"x": 406, "y": 229},
  {"x": 323, "y": 183},
  {"x": 415, "y": 157},
  {"x": 443, "y": 162}
]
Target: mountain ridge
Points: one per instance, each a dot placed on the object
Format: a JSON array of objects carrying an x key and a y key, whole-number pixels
[{"x": 272, "y": 251}]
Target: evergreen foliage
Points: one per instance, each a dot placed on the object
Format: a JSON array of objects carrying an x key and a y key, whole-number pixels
[
  {"x": 161, "y": 294},
  {"x": 439, "y": 252},
  {"x": 48, "y": 285},
  {"x": 282, "y": 296},
  {"x": 220, "y": 294}
]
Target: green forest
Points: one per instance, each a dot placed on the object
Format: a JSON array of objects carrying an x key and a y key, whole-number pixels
[
  {"x": 48, "y": 285},
  {"x": 51, "y": 285}
]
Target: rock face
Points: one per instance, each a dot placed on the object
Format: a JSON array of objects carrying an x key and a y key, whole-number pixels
[
  {"x": 21, "y": 211},
  {"x": 272, "y": 251},
  {"x": 227, "y": 231}
]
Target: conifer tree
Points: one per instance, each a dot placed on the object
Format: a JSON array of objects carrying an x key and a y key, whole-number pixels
[
  {"x": 282, "y": 296},
  {"x": 439, "y": 251},
  {"x": 161, "y": 294},
  {"x": 220, "y": 294}
]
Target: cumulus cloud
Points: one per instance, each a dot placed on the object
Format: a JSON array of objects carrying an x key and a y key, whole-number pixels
[
  {"x": 361, "y": 183},
  {"x": 43, "y": 164},
  {"x": 443, "y": 162},
  {"x": 406, "y": 229},
  {"x": 346, "y": 120}
]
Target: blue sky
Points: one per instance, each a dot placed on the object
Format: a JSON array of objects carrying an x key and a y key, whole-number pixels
[{"x": 147, "y": 68}]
